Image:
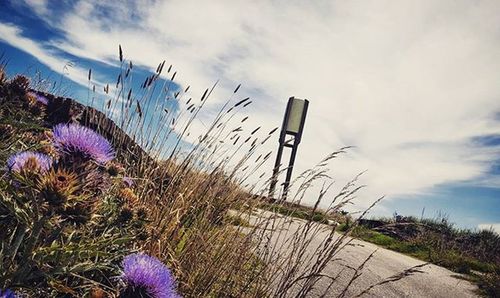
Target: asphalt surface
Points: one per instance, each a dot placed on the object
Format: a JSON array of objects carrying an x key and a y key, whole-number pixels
[{"x": 433, "y": 281}]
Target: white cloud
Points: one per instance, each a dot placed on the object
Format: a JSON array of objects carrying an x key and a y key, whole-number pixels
[
  {"x": 12, "y": 35},
  {"x": 408, "y": 83},
  {"x": 40, "y": 7},
  {"x": 487, "y": 226}
]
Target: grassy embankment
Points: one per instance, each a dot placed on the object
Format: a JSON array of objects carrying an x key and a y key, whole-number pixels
[
  {"x": 66, "y": 229},
  {"x": 473, "y": 253}
]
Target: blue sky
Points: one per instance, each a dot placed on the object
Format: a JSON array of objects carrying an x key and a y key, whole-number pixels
[{"x": 414, "y": 86}]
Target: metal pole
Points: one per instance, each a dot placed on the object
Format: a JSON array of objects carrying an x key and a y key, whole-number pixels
[
  {"x": 286, "y": 184},
  {"x": 276, "y": 169},
  {"x": 296, "y": 132}
]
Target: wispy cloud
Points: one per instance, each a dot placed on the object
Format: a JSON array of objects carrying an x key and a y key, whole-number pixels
[
  {"x": 40, "y": 7},
  {"x": 410, "y": 84},
  {"x": 13, "y": 35}
]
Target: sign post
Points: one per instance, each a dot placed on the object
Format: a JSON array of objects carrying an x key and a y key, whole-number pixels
[{"x": 293, "y": 125}]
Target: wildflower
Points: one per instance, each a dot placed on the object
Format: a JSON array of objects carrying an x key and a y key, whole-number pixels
[
  {"x": 97, "y": 292},
  {"x": 128, "y": 181},
  {"x": 125, "y": 215},
  {"x": 115, "y": 168},
  {"x": 79, "y": 141},
  {"x": 94, "y": 180},
  {"x": 30, "y": 161},
  {"x": 128, "y": 196},
  {"x": 7, "y": 294},
  {"x": 58, "y": 186},
  {"x": 142, "y": 213},
  {"x": 37, "y": 98},
  {"x": 77, "y": 214},
  {"x": 146, "y": 276},
  {"x": 19, "y": 83},
  {"x": 42, "y": 99},
  {"x": 37, "y": 103}
]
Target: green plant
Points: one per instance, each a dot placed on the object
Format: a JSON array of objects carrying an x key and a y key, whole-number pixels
[
  {"x": 474, "y": 253},
  {"x": 489, "y": 284},
  {"x": 178, "y": 208}
]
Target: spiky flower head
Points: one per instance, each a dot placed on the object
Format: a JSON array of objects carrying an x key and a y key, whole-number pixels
[
  {"x": 35, "y": 98},
  {"x": 29, "y": 161},
  {"x": 94, "y": 180},
  {"x": 82, "y": 142},
  {"x": 128, "y": 196},
  {"x": 58, "y": 187},
  {"x": 114, "y": 169},
  {"x": 7, "y": 294},
  {"x": 78, "y": 214},
  {"x": 46, "y": 144},
  {"x": 147, "y": 276},
  {"x": 97, "y": 292},
  {"x": 19, "y": 83},
  {"x": 128, "y": 181},
  {"x": 125, "y": 215},
  {"x": 142, "y": 213}
]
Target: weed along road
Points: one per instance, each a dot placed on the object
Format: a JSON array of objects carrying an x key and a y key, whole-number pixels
[{"x": 431, "y": 281}]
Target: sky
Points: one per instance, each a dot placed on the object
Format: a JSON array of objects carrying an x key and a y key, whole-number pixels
[{"x": 413, "y": 86}]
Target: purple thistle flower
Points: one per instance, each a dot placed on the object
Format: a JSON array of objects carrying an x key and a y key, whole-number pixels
[
  {"x": 7, "y": 294},
  {"x": 26, "y": 159},
  {"x": 147, "y": 275},
  {"x": 74, "y": 139},
  {"x": 39, "y": 98},
  {"x": 128, "y": 181},
  {"x": 42, "y": 99}
]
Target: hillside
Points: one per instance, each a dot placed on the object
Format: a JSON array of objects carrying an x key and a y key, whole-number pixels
[{"x": 85, "y": 211}]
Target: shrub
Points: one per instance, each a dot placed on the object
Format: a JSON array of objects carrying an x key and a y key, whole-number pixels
[{"x": 489, "y": 284}]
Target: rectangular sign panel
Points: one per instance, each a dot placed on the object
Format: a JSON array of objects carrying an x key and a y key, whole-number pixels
[{"x": 295, "y": 115}]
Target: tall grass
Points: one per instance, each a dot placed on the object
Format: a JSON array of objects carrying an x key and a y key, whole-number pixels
[
  {"x": 459, "y": 249},
  {"x": 437, "y": 240},
  {"x": 185, "y": 194}
]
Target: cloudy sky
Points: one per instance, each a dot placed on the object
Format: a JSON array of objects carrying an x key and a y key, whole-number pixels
[{"x": 413, "y": 85}]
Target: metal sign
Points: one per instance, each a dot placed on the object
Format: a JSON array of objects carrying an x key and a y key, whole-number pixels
[
  {"x": 293, "y": 125},
  {"x": 295, "y": 121}
]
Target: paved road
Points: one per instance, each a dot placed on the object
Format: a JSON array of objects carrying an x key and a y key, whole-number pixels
[{"x": 435, "y": 281}]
